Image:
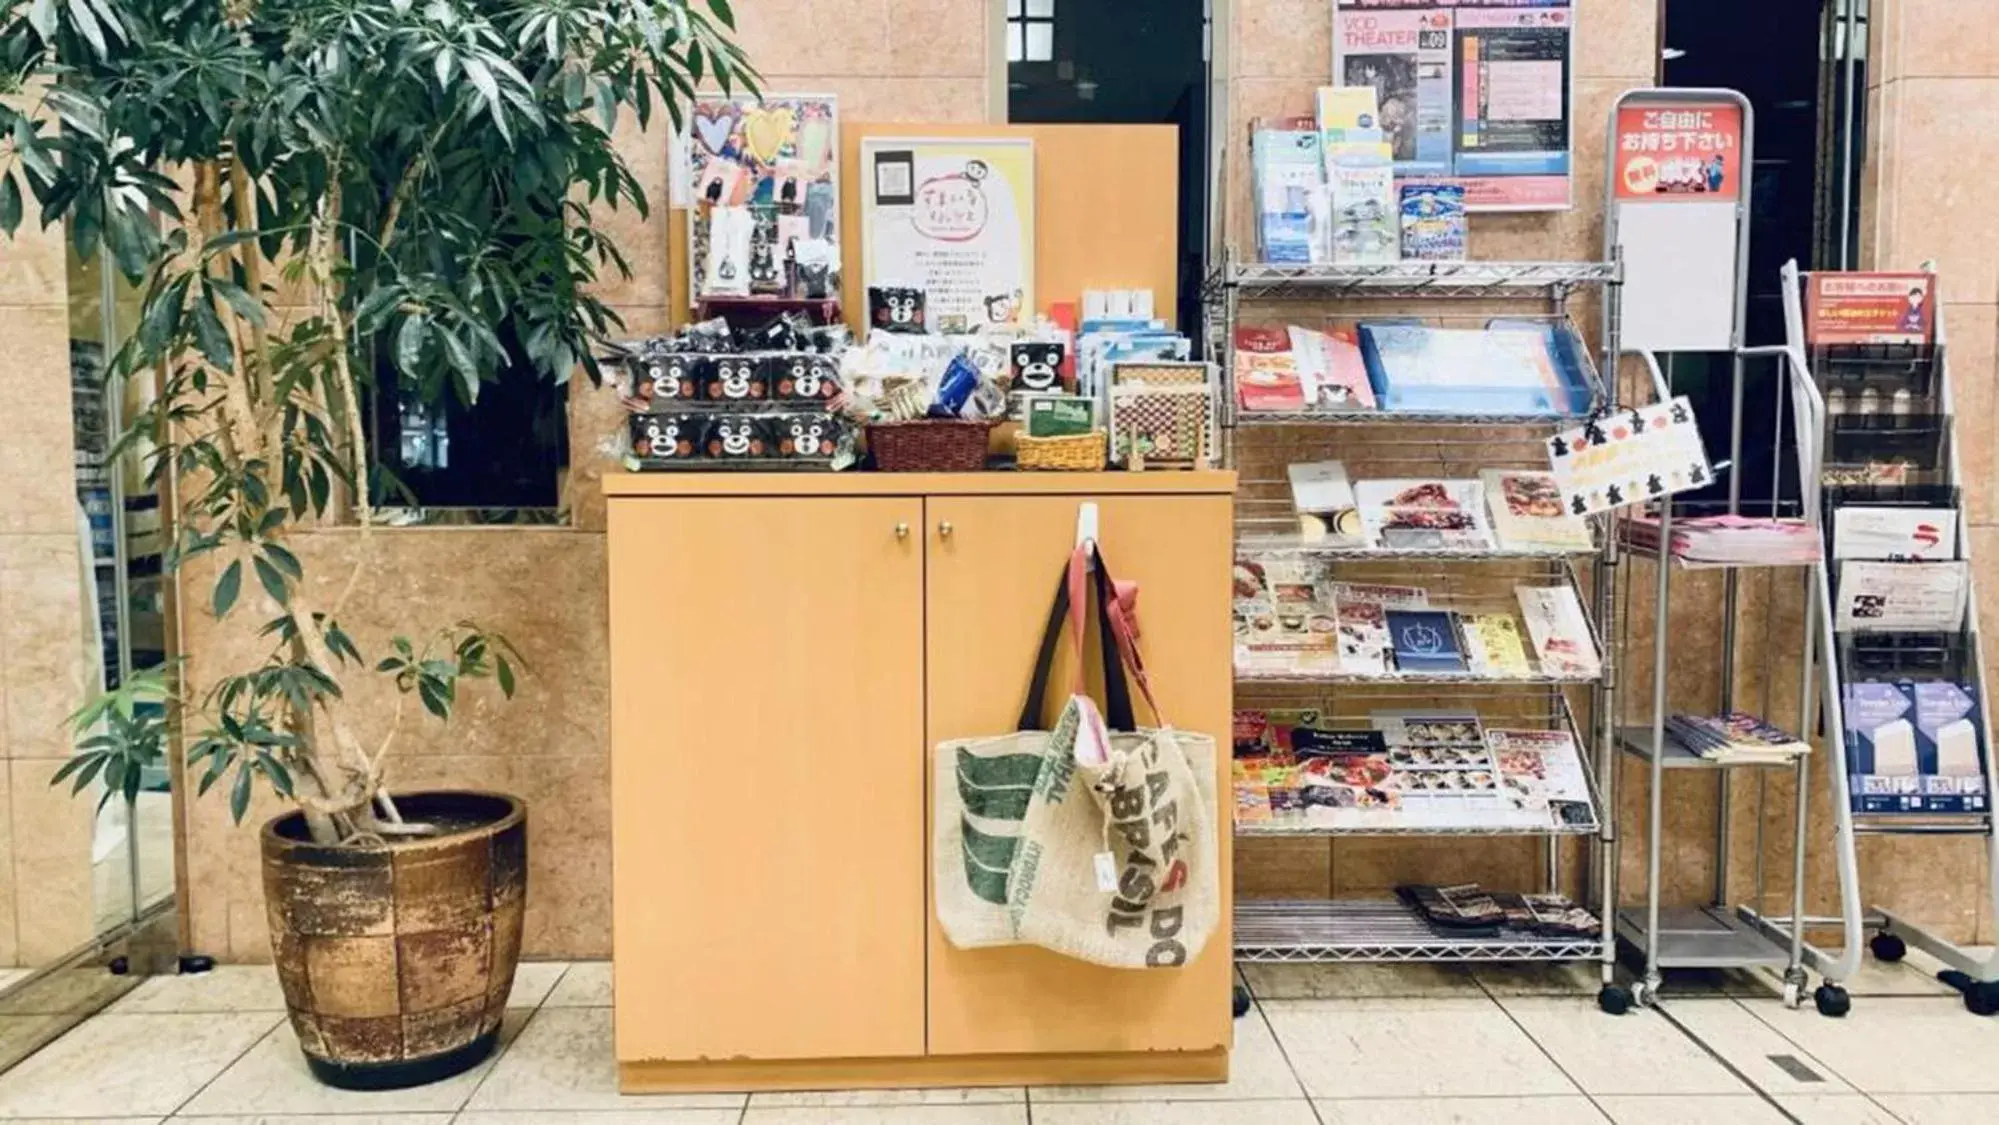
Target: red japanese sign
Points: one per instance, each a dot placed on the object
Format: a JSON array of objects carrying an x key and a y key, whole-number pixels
[
  {"x": 1870, "y": 308},
  {"x": 1679, "y": 152}
]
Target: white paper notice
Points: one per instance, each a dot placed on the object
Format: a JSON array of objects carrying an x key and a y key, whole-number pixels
[{"x": 1897, "y": 597}]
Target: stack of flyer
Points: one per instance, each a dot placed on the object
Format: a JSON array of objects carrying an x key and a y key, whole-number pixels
[
  {"x": 1736, "y": 739},
  {"x": 1715, "y": 541}
]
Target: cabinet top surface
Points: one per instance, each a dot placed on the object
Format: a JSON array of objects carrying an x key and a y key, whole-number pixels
[{"x": 999, "y": 483}]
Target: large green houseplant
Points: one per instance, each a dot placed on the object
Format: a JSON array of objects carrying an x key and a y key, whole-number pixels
[{"x": 308, "y": 192}]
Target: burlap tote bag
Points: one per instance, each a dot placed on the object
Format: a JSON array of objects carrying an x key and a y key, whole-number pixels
[{"x": 1109, "y": 851}]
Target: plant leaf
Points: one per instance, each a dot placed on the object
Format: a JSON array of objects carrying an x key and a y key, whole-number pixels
[
  {"x": 504, "y": 672},
  {"x": 10, "y": 204},
  {"x": 227, "y": 587},
  {"x": 273, "y": 582},
  {"x": 239, "y": 794}
]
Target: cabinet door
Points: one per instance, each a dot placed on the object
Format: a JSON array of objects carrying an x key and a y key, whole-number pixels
[
  {"x": 767, "y": 784},
  {"x": 992, "y": 575}
]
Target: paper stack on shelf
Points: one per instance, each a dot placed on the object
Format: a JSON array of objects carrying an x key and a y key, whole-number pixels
[
  {"x": 1735, "y": 739},
  {"x": 1714, "y": 541}
]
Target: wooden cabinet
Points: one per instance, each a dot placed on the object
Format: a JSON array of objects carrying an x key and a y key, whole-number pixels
[{"x": 786, "y": 651}]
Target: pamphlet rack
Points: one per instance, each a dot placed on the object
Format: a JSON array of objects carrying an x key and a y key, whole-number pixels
[
  {"x": 1721, "y": 935},
  {"x": 1909, "y": 392},
  {"x": 1390, "y": 444}
]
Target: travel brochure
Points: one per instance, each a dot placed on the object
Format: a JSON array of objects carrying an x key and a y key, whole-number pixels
[
  {"x": 1915, "y": 746},
  {"x": 1511, "y": 366},
  {"x": 1501, "y": 509},
  {"x": 1439, "y": 770},
  {"x": 1291, "y": 619}
]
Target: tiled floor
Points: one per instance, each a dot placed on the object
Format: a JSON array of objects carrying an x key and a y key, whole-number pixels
[{"x": 1389, "y": 1045}]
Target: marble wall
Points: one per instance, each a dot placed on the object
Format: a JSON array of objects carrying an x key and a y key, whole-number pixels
[{"x": 45, "y": 835}]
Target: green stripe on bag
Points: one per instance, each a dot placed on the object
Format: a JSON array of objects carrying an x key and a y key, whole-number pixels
[
  {"x": 987, "y": 860},
  {"x": 999, "y": 787}
]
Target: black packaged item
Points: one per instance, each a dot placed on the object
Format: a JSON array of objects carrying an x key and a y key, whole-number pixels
[
  {"x": 1037, "y": 365},
  {"x": 737, "y": 437},
  {"x": 1461, "y": 907},
  {"x": 666, "y": 437},
  {"x": 671, "y": 376},
  {"x": 801, "y": 377},
  {"x": 736, "y": 378},
  {"x": 894, "y": 308},
  {"x": 806, "y": 436}
]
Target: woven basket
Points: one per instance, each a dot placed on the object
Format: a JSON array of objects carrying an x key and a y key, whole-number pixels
[
  {"x": 952, "y": 445},
  {"x": 1076, "y": 453}
]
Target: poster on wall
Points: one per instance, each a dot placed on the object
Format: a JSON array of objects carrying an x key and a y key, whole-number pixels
[
  {"x": 953, "y": 217},
  {"x": 1473, "y": 92},
  {"x": 1870, "y": 308},
  {"x": 762, "y": 184}
]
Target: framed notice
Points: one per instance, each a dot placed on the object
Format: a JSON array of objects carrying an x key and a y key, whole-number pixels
[
  {"x": 1478, "y": 93},
  {"x": 1870, "y": 308},
  {"x": 953, "y": 217}
]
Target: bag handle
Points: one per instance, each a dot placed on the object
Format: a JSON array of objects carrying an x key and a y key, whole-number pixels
[
  {"x": 1123, "y": 631},
  {"x": 1070, "y": 597}
]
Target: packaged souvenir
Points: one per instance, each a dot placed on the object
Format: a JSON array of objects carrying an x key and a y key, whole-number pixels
[
  {"x": 665, "y": 437},
  {"x": 736, "y": 378},
  {"x": 737, "y": 437},
  {"x": 805, "y": 436},
  {"x": 800, "y": 377}
]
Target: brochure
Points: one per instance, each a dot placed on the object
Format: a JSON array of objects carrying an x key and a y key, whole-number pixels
[
  {"x": 1330, "y": 367},
  {"x": 1362, "y": 613},
  {"x": 1527, "y": 512},
  {"x": 1266, "y": 373},
  {"x": 1424, "y": 641},
  {"x": 1325, "y": 504},
  {"x": 1915, "y": 747},
  {"x": 1286, "y": 171},
  {"x": 1433, "y": 222},
  {"x": 1901, "y": 597},
  {"x": 1560, "y": 632},
  {"x": 1899, "y": 534},
  {"x": 1364, "y": 226},
  {"x": 1542, "y": 771},
  {"x": 1735, "y": 738},
  {"x": 1426, "y": 515},
  {"x": 1493, "y": 644}
]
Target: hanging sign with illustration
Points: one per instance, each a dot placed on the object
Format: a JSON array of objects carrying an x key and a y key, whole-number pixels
[
  {"x": 1632, "y": 455},
  {"x": 954, "y": 218}
]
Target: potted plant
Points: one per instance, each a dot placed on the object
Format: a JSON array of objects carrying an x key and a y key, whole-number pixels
[{"x": 307, "y": 192}]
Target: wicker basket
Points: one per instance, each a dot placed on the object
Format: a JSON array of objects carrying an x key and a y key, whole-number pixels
[
  {"x": 1077, "y": 453},
  {"x": 950, "y": 445}
]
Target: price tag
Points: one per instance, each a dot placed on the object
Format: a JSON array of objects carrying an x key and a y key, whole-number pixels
[{"x": 1106, "y": 873}]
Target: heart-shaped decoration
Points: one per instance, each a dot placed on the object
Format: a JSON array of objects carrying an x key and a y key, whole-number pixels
[
  {"x": 712, "y": 127},
  {"x": 766, "y": 130}
]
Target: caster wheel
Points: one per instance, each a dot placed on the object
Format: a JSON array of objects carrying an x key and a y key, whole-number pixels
[
  {"x": 119, "y": 966},
  {"x": 1832, "y": 1000},
  {"x": 1614, "y": 1000},
  {"x": 1241, "y": 1002},
  {"x": 196, "y": 963},
  {"x": 1982, "y": 999},
  {"x": 1888, "y": 947}
]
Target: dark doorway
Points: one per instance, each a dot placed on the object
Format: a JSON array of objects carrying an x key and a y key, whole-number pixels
[{"x": 1113, "y": 62}]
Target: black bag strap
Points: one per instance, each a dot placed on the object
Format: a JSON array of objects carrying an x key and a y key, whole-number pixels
[{"x": 1117, "y": 693}]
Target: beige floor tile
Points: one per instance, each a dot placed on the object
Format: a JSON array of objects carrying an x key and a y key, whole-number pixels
[
  {"x": 1257, "y": 1069},
  {"x": 889, "y": 1115},
  {"x": 1346, "y": 1047},
  {"x": 1896, "y": 1046},
  {"x": 9, "y": 976},
  {"x": 1357, "y": 982},
  {"x": 225, "y": 988},
  {"x": 1294, "y": 1112},
  {"x": 1572, "y": 978},
  {"x": 594, "y": 1117},
  {"x": 533, "y": 981},
  {"x": 319, "y": 1119},
  {"x": 1942, "y": 1109},
  {"x": 134, "y": 1064},
  {"x": 1916, "y": 976},
  {"x": 1462, "y": 1111},
  {"x": 1844, "y": 1109},
  {"x": 950, "y": 1095},
  {"x": 1752, "y": 1047},
  {"x": 1636, "y": 1053},
  {"x": 272, "y": 1079},
  {"x": 93, "y": 1121},
  {"x": 1744, "y": 1109},
  {"x": 565, "y": 1060},
  {"x": 587, "y": 984}
]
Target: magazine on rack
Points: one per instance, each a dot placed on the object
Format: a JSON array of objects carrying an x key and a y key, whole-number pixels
[
  {"x": 1426, "y": 515},
  {"x": 1527, "y": 512},
  {"x": 1425, "y": 640},
  {"x": 1735, "y": 738},
  {"x": 1560, "y": 632},
  {"x": 1362, "y": 611}
]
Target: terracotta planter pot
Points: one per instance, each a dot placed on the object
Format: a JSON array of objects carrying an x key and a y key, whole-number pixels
[{"x": 396, "y": 960}]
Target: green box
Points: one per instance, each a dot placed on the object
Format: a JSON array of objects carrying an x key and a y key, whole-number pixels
[{"x": 1060, "y": 415}]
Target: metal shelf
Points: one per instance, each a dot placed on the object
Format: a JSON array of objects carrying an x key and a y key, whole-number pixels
[
  {"x": 1637, "y": 742},
  {"x": 1261, "y": 418},
  {"x": 1384, "y": 930},
  {"x": 1246, "y": 676},
  {"x": 1255, "y": 830},
  {"x": 1405, "y": 280},
  {"x": 1703, "y": 938},
  {"x": 1293, "y": 545}
]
